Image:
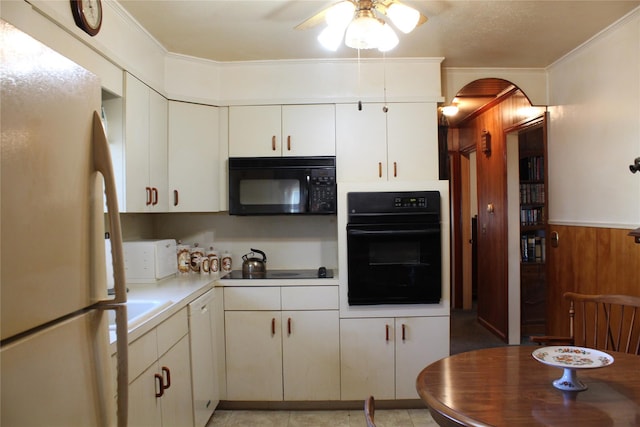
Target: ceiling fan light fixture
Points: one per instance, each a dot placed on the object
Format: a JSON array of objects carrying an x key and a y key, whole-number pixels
[
  {"x": 388, "y": 39},
  {"x": 405, "y": 18},
  {"x": 365, "y": 31},
  {"x": 340, "y": 14},
  {"x": 331, "y": 37}
]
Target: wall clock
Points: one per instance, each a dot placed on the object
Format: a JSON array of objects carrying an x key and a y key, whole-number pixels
[{"x": 88, "y": 15}]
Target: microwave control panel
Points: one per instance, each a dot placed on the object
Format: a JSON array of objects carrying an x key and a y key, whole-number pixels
[{"x": 322, "y": 191}]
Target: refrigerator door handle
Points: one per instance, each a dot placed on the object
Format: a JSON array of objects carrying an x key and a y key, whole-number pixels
[{"x": 102, "y": 163}]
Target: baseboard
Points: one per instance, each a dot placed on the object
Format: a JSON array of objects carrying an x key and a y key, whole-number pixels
[{"x": 317, "y": 405}]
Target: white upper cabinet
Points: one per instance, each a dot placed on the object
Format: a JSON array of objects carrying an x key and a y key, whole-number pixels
[
  {"x": 401, "y": 144},
  {"x": 361, "y": 140},
  {"x": 288, "y": 130},
  {"x": 194, "y": 160},
  {"x": 145, "y": 148},
  {"x": 412, "y": 138}
]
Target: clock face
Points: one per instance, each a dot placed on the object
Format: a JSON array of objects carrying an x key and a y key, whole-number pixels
[
  {"x": 88, "y": 15},
  {"x": 92, "y": 12}
]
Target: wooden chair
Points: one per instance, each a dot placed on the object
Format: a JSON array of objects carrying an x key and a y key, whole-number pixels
[
  {"x": 604, "y": 322},
  {"x": 369, "y": 409}
]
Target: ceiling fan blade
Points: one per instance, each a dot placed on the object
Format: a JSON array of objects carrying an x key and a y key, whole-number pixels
[{"x": 318, "y": 18}]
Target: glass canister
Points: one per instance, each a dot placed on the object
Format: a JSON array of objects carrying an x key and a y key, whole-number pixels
[
  {"x": 214, "y": 260},
  {"x": 184, "y": 258},
  {"x": 196, "y": 258},
  {"x": 205, "y": 265},
  {"x": 226, "y": 262}
]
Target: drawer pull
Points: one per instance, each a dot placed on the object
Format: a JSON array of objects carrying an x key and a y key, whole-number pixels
[
  {"x": 273, "y": 326},
  {"x": 160, "y": 385},
  {"x": 379, "y": 169},
  {"x": 289, "y": 326},
  {"x": 395, "y": 169},
  {"x": 386, "y": 332},
  {"x": 154, "y": 192},
  {"x": 175, "y": 197},
  {"x": 273, "y": 143},
  {"x": 288, "y": 142},
  {"x": 148, "y": 190},
  {"x": 166, "y": 371},
  {"x": 404, "y": 328}
]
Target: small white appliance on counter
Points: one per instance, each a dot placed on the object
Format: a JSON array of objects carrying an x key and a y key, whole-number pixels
[{"x": 147, "y": 261}]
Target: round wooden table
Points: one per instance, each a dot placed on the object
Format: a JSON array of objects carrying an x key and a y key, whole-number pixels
[{"x": 506, "y": 386}]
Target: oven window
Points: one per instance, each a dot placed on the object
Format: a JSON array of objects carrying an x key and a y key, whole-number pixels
[
  {"x": 393, "y": 253},
  {"x": 270, "y": 192}
]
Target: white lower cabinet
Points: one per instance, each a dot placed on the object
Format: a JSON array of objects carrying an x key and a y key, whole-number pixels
[
  {"x": 160, "y": 376},
  {"x": 254, "y": 355},
  {"x": 383, "y": 356},
  {"x": 275, "y": 355}
]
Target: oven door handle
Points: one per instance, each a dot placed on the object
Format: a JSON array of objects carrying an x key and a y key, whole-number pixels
[{"x": 387, "y": 232}]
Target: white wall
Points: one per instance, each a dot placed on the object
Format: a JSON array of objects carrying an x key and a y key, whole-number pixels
[
  {"x": 290, "y": 242},
  {"x": 594, "y": 131}
]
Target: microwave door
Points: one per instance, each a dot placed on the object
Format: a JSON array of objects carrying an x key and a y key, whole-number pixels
[{"x": 262, "y": 193}]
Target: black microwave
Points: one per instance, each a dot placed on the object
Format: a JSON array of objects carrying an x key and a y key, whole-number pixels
[{"x": 282, "y": 185}]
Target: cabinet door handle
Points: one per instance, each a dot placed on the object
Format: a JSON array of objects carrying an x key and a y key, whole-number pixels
[
  {"x": 175, "y": 197},
  {"x": 395, "y": 169},
  {"x": 386, "y": 332},
  {"x": 154, "y": 191},
  {"x": 148, "y": 190},
  {"x": 379, "y": 169},
  {"x": 404, "y": 336},
  {"x": 288, "y": 142},
  {"x": 273, "y": 143},
  {"x": 159, "y": 384},
  {"x": 273, "y": 326},
  {"x": 289, "y": 326},
  {"x": 167, "y": 372}
]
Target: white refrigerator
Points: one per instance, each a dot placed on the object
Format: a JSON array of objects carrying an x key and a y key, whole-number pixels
[{"x": 55, "y": 361}]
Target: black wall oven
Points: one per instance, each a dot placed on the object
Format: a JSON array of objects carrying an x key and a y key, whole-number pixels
[{"x": 394, "y": 248}]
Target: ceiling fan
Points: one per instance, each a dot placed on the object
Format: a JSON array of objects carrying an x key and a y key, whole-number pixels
[{"x": 364, "y": 24}]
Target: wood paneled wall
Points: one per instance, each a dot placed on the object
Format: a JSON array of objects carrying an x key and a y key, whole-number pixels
[
  {"x": 492, "y": 190},
  {"x": 592, "y": 261}
]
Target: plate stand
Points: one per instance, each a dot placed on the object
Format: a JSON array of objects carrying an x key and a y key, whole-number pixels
[{"x": 569, "y": 381}]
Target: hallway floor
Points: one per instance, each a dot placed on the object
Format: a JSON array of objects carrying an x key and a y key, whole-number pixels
[{"x": 466, "y": 334}]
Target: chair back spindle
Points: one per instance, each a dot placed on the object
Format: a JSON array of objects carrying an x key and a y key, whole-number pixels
[{"x": 604, "y": 322}]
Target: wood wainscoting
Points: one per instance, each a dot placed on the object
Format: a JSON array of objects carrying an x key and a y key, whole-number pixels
[{"x": 588, "y": 260}]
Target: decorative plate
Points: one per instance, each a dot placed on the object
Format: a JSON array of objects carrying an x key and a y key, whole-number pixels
[{"x": 571, "y": 358}]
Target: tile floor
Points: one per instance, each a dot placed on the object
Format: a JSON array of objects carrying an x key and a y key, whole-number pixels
[{"x": 341, "y": 418}]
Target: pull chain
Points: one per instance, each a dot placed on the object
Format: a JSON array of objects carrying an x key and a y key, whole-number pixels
[
  {"x": 359, "y": 89},
  {"x": 384, "y": 81}
]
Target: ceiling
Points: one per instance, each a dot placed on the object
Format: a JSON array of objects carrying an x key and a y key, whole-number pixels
[
  {"x": 499, "y": 33},
  {"x": 516, "y": 33}
]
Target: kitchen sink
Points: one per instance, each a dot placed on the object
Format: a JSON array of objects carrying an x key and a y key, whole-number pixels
[{"x": 138, "y": 311}]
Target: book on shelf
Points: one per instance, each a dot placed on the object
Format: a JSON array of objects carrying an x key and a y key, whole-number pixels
[{"x": 532, "y": 248}]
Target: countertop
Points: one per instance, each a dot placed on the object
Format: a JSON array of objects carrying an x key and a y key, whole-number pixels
[{"x": 179, "y": 290}]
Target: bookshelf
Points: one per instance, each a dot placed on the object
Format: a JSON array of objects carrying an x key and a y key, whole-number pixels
[{"x": 533, "y": 222}]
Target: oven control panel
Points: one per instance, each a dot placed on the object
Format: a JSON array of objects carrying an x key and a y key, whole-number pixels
[{"x": 410, "y": 202}]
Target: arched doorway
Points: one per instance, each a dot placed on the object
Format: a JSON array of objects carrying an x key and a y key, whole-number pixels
[{"x": 489, "y": 109}]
